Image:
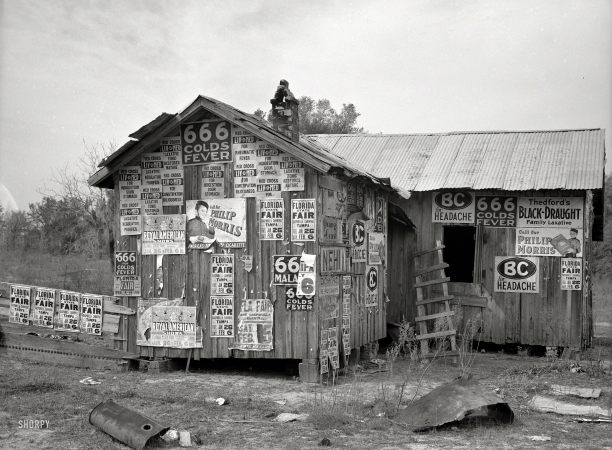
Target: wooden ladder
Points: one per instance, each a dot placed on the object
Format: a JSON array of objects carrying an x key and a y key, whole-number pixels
[{"x": 422, "y": 316}]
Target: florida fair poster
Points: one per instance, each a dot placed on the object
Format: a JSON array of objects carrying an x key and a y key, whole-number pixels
[
  {"x": 164, "y": 235},
  {"x": 91, "y": 314},
  {"x": 173, "y": 326},
  {"x": 303, "y": 219},
  {"x": 271, "y": 219},
  {"x": 571, "y": 274},
  {"x": 43, "y": 308},
  {"x": 68, "y": 312},
  {"x": 212, "y": 221},
  {"x": 255, "y": 323},
  {"x": 222, "y": 274},
  {"x": 19, "y": 310},
  {"x": 221, "y": 316}
]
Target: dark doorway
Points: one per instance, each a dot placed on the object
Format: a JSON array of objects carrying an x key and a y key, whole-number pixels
[{"x": 460, "y": 243}]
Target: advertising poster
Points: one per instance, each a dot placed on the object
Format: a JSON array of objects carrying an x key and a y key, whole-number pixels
[
  {"x": 517, "y": 274},
  {"x": 298, "y": 302},
  {"x": 127, "y": 276},
  {"x": 376, "y": 248},
  {"x": 170, "y": 145},
  {"x": 43, "y": 308},
  {"x": 164, "y": 235},
  {"x": 332, "y": 349},
  {"x": 91, "y": 314},
  {"x": 379, "y": 214},
  {"x": 68, "y": 312},
  {"x": 550, "y": 212},
  {"x": 571, "y": 274},
  {"x": 221, "y": 316},
  {"x": 286, "y": 269},
  {"x": 307, "y": 277},
  {"x": 255, "y": 323},
  {"x": 358, "y": 249},
  {"x": 329, "y": 297},
  {"x": 144, "y": 317},
  {"x": 222, "y": 274},
  {"x": 332, "y": 230},
  {"x": 292, "y": 173},
  {"x": 213, "y": 181},
  {"x": 334, "y": 260},
  {"x": 152, "y": 165},
  {"x": 496, "y": 212},
  {"x": 334, "y": 203},
  {"x": 216, "y": 221},
  {"x": 346, "y": 295},
  {"x": 268, "y": 170},
  {"x": 206, "y": 142},
  {"x": 323, "y": 347},
  {"x": 151, "y": 197},
  {"x": 557, "y": 242},
  {"x": 303, "y": 220},
  {"x": 453, "y": 207},
  {"x": 172, "y": 173},
  {"x": 371, "y": 286},
  {"x": 19, "y": 309},
  {"x": 271, "y": 219},
  {"x": 173, "y": 326},
  {"x": 346, "y": 335},
  {"x": 130, "y": 203},
  {"x": 244, "y": 145}
]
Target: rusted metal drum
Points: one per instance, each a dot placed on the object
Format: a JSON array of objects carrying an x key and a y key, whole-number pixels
[{"x": 128, "y": 426}]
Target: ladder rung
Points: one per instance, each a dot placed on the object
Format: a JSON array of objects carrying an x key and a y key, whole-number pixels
[
  {"x": 430, "y": 269},
  {"x": 436, "y": 334},
  {"x": 435, "y": 354},
  {"x": 424, "y": 252},
  {"x": 431, "y": 282},
  {"x": 434, "y": 300},
  {"x": 435, "y": 316}
]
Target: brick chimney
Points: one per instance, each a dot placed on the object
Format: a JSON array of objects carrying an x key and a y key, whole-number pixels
[{"x": 285, "y": 114}]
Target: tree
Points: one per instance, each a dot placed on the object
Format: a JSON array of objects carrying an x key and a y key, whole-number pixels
[
  {"x": 602, "y": 251},
  {"x": 318, "y": 117}
]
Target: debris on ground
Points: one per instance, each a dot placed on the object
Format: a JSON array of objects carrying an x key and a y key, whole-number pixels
[
  {"x": 184, "y": 439},
  {"x": 281, "y": 402},
  {"x": 545, "y": 404},
  {"x": 325, "y": 443},
  {"x": 222, "y": 401},
  {"x": 557, "y": 389},
  {"x": 290, "y": 417},
  {"x": 170, "y": 436},
  {"x": 539, "y": 438},
  {"x": 463, "y": 398},
  {"x": 89, "y": 380}
]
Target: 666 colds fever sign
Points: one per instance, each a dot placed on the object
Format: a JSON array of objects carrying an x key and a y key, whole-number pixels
[{"x": 517, "y": 274}]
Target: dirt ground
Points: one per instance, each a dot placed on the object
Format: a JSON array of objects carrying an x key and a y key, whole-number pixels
[{"x": 355, "y": 412}]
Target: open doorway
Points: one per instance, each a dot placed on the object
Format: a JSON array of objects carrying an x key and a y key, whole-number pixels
[{"x": 459, "y": 251}]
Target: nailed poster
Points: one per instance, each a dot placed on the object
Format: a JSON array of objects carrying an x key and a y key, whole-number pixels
[
  {"x": 164, "y": 235},
  {"x": 453, "y": 207},
  {"x": 549, "y": 242},
  {"x": 172, "y": 172},
  {"x": 268, "y": 170},
  {"x": 571, "y": 274},
  {"x": 151, "y": 192},
  {"x": 332, "y": 350},
  {"x": 496, "y": 212},
  {"x": 271, "y": 219},
  {"x": 221, "y": 316},
  {"x": 303, "y": 220},
  {"x": 329, "y": 297},
  {"x": 68, "y": 312},
  {"x": 216, "y": 220},
  {"x": 346, "y": 295},
  {"x": 307, "y": 277},
  {"x": 371, "y": 293},
  {"x": 516, "y": 274},
  {"x": 91, "y": 314},
  {"x": 130, "y": 202},
  {"x": 127, "y": 277},
  {"x": 286, "y": 269},
  {"x": 550, "y": 212},
  {"x": 19, "y": 309},
  {"x": 43, "y": 308},
  {"x": 213, "y": 181},
  {"x": 206, "y": 142},
  {"x": 151, "y": 197},
  {"x": 255, "y": 324},
  {"x": 144, "y": 317},
  {"x": 359, "y": 249},
  {"x": 173, "y": 326},
  {"x": 334, "y": 202},
  {"x": 222, "y": 274},
  {"x": 244, "y": 145},
  {"x": 298, "y": 302},
  {"x": 376, "y": 248}
]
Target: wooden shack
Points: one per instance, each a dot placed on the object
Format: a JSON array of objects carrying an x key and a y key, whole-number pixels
[
  {"x": 288, "y": 260},
  {"x": 516, "y": 213}
]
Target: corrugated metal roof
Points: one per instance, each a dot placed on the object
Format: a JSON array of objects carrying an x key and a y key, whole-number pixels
[{"x": 508, "y": 160}]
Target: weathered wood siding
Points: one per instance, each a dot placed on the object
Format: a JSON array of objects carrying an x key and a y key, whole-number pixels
[
  {"x": 402, "y": 242},
  {"x": 552, "y": 317}
]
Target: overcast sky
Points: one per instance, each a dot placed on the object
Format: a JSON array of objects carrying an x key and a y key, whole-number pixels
[{"x": 96, "y": 71}]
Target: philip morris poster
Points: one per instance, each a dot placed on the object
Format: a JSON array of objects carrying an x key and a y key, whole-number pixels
[
  {"x": 221, "y": 316},
  {"x": 212, "y": 221},
  {"x": 91, "y": 314},
  {"x": 571, "y": 274},
  {"x": 164, "y": 235},
  {"x": 453, "y": 207},
  {"x": 255, "y": 323},
  {"x": 557, "y": 242},
  {"x": 550, "y": 212},
  {"x": 516, "y": 274},
  {"x": 173, "y": 326},
  {"x": 19, "y": 310},
  {"x": 43, "y": 308},
  {"x": 68, "y": 312}
]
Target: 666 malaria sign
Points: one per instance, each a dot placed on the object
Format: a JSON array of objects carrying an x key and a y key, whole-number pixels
[{"x": 517, "y": 274}]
